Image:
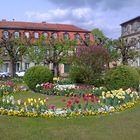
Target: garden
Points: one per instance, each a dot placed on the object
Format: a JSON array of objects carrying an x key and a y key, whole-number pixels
[
  {"x": 89, "y": 100},
  {"x": 73, "y": 100}
]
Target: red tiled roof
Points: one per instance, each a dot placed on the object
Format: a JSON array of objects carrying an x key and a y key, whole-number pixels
[{"x": 40, "y": 26}]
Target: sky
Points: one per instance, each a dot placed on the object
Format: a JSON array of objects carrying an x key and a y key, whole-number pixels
[{"x": 106, "y": 15}]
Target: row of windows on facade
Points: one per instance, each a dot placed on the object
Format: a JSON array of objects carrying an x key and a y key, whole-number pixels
[
  {"x": 66, "y": 35},
  {"x": 131, "y": 27},
  {"x": 5, "y": 67}
]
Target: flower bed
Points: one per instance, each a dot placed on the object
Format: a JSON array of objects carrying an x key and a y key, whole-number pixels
[
  {"x": 89, "y": 104},
  {"x": 68, "y": 90},
  {"x": 10, "y": 87}
]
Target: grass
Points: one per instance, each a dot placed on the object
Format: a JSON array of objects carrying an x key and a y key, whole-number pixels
[
  {"x": 118, "y": 126},
  {"x": 56, "y": 100}
]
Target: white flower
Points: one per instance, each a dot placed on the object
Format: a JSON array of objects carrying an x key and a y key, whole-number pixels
[
  {"x": 3, "y": 100},
  {"x": 11, "y": 98},
  {"x": 37, "y": 85},
  {"x": 8, "y": 101},
  {"x": 13, "y": 102}
]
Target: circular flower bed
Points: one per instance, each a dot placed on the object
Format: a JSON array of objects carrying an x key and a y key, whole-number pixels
[{"x": 85, "y": 105}]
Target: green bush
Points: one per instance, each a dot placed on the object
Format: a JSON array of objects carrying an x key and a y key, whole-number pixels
[
  {"x": 76, "y": 74},
  {"x": 138, "y": 70},
  {"x": 85, "y": 75},
  {"x": 37, "y": 75},
  {"x": 121, "y": 77}
]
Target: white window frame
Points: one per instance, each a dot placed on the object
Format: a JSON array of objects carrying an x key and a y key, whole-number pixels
[
  {"x": 16, "y": 34},
  {"x": 6, "y": 34},
  {"x": 36, "y": 35},
  {"x": 27, "y": 34}
]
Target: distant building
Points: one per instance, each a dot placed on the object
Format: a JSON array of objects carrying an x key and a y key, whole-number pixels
[
  {"x": 35, "y": 30},
  {"x": 131, "y": 30}
]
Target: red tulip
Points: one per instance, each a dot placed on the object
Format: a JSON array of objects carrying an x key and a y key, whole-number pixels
[{"x": 76, "y": 101}]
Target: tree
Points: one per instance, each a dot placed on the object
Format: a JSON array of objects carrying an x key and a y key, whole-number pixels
[
  {"x": 15, "y": 47},
  {"x": 36, "y": 52},
  {"x": 52, "y": 51},
  {"x": 59, "y": 50},
  {"x": 99, "y": 37},
  {"x": 127, "y": 50},
  {"x": 102, "y": 40},
  {"x": 89, "y": 63}
]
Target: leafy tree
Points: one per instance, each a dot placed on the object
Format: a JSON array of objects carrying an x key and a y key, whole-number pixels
[
  {"x": 52, "y": 51},
  {"x": 15, "y": 47},
  {"x": 36, "y": 52},
  {"x": 89, "y": 63},
  {"x": 102, "y": 40},
  {"x": 126, "y": 50},
  {"x": 59, "y": 50},
  {"x": 99, "y": 37}
]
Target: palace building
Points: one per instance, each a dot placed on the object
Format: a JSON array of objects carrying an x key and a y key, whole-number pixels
[{"x": 35, "y": 30}]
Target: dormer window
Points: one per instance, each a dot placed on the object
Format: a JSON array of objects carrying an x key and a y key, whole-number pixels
[
  {"x": 54, "y": 36},
  {"x": 36, "y": 35},
  {"x": 66, "y": 36},
  {"x": 27, "y": 35},
  {"x": 45, "y": 35},
  {"x": 6, "y": 34},
  {"x": 16, "y": 34},
  {"x": 77, "y": 36}
]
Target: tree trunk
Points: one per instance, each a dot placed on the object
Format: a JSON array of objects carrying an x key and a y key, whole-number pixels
[
  {"x": 124, "y": 61},
  {"x": 13, "y": 68},
  {"x": 56, "y": 69}
]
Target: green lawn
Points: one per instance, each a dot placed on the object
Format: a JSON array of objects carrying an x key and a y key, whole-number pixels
[
  {"x": 118, "y": 126},
  {"x": 55, "y": 100}
]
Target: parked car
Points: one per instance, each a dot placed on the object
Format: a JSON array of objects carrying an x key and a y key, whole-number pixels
[
  {"x": 4, "y": 74},
  {"x": 20, "y": 73}
]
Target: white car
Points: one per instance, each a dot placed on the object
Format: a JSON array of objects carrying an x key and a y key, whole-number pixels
[
  {"x": 20, "y": 73},
  {"x": 4, "y": 74}
]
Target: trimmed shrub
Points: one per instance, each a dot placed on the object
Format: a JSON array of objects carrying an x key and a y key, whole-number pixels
[
  {"x": 37, "y": 75},
  {"x": 77, "y": 74},
  {"x": 121, "y": 77}
]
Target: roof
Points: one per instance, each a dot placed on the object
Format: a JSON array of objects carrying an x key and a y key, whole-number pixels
[
  {"x": 133, "y": 19},
  {"x": 39, "y": 26}
]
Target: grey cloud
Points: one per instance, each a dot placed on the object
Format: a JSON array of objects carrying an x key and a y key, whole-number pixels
[
  {"x": 105, "y": 4},
  {"x": 89, "y": 14}
]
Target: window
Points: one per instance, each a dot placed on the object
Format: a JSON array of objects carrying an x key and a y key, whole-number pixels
[
  {"x": 45, "y": 35},
  {"x": 138, "y": 60},
  {"x": 77, "y": 36},
  {"x": 16, "y": 34},
  {"x": 27, "y": 35},
  {"x": 138, "y": 25},
  {"x": 6, "y": 67},
  {"x": 54, "y": 36},
  {"x": 6, "y": 34},
  {"x": 66, "y": 36},
  {"x": 138, "y": 45},
  {"x": 134, "y": 26},
  {"x": 66, "y": 68},
  {"x": 36, "y": 35},
  {"x": 17, "y": 67},
  {"x": 26, "y": 66},
  {"x": 87, "y": 36}
]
